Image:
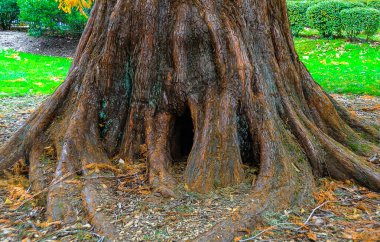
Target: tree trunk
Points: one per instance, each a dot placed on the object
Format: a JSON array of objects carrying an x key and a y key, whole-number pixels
[{"x": 230, "y": 69}]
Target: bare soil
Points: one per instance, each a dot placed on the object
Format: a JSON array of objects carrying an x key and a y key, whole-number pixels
[
  {"x": 53, "y": 46},
  {"x": 14, "y": 111}
]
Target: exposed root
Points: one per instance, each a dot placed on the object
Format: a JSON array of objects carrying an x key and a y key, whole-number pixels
[
  {"x": 63, "y": 202},
  {"x": 216, "y": 146},
  {"x": 98, "y": 201},
  {"x": 159, "y": 158}
]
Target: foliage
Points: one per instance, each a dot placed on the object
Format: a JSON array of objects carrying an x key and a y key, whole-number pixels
[
  {"x": 26, "y": 74},
  {"x": 45, "y": 18},
  {"x": 8, "y": 12},
  {"x": 357, "y": 20},
  {"x": 340, "y": 66},
  {"x": 325, "y": 16},
  {"x": 374, "y": 4},
  {"x": 297, "y": 16},
  {"x": 80, "y": 5}
]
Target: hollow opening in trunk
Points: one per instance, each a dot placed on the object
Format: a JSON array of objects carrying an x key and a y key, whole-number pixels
[
  {"x": 182, "y": 136},
  {"x": 249, "y": 149},
  {"x": 181, "y": 142}
]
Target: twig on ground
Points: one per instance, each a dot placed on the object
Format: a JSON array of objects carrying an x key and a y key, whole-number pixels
[
  {"x": 314, "y": 210},
  {"x": 107, "y": 177},
  {"x": 266, "y": 230},
  {"x": 69, "y": 231}
]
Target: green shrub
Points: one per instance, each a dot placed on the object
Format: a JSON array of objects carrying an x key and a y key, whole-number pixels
[
  {"x": 45, "y": 18},
  {"x": 357, "y": 20},
  {"x": 363, "y": 2},
  {"x": 356, "y": 3},
  {"x": 297, "y": 16},
  {"x": 8, "y": 13},
  {"x": 325, "y": 16},
  {"x": 374, "y": 4}
]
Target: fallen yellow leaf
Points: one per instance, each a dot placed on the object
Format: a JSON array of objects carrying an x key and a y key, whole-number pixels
[
  {"x": 311, "y": 235},
  {"x": 237, "y": 239},
  {"x": 8, "y": 202},
  {"x": 186, "y": 187}
]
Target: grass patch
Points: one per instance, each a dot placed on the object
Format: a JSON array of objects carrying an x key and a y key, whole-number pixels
[
  {"x": 28, "y": 74},
  {"x": 337, "y": 65},
  {"x": 340, "y": 66}
]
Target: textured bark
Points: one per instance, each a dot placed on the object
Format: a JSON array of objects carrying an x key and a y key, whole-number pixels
[{"x": 143, "y": 67}]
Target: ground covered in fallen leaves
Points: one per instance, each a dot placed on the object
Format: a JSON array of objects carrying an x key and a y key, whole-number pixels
[{"x": 342, "y": 210}]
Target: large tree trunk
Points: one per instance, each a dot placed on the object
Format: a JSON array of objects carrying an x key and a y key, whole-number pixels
[{"x": 143, "y": 68}]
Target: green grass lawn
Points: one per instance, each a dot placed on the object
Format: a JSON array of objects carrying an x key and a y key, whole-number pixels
[
  {"x": 28, "y": 74},
  {"x": 342, "y": 67},
  {"x": 339, "y": 66}
]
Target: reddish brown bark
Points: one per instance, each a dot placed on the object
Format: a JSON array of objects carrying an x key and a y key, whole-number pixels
[{"x": 143, "y": 68}]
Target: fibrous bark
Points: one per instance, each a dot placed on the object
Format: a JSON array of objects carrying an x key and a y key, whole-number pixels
[{"x": 143, "y": 68}]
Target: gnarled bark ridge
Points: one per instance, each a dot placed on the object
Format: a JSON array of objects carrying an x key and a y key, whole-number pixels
[{"x": 231, "y": 67}]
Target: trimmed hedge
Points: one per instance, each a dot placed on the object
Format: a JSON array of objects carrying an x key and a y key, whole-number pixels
[
  {"x": 325, "y": 16},
  {"x": 357, "y": 20},
  {"x": 297, "y": 16},
  {"x": 374, "y": 4}
]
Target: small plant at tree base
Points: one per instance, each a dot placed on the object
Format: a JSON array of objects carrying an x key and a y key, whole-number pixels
[{"x": 358, "y": 20}]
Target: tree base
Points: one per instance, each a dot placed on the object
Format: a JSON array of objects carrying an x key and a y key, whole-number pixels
[{"x": 232, "y": 70}]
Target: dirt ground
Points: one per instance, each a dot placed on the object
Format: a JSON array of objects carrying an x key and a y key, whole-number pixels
[{"x": 53, "y": 46}]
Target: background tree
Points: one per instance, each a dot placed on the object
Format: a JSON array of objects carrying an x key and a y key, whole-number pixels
[
  {"x": 8, "y": 13},
  {"x": 143, "y": 69},
  {"x": 45, "y": 18}
]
